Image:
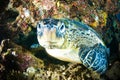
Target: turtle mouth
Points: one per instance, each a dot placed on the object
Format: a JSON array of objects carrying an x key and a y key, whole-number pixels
[{"x": 50, "y": 44}]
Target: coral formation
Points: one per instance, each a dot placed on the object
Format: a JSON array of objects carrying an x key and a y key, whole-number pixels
[{"x": 18, "y": 19}]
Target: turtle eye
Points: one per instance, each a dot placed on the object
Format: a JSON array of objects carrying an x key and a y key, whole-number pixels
[
  {"x": 39, "y": 27},
  {"x": 62, "y": 28}
]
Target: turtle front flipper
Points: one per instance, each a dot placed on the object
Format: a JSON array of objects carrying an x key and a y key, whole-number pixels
[{"x": 95, "y": 58}]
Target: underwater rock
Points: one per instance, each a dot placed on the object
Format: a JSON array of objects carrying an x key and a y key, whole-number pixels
[
  {"x": 96, "y": 18},
  {"x": 92, "y": 12},
  {"x": 112, "y": 6},
  {"x": 3, "y": 5},
  {"x": 15, "y": 57},
  {"x": 113, "y": 72},
  {"x": 65, "y": 72},
  {"x": 118, "y": 16}
]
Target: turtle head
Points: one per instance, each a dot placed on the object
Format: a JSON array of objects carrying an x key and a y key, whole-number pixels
[{"x": 50, "y": 33}]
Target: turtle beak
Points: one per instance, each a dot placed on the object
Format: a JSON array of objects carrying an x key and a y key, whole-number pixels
[{"x": 49, "y": 35}]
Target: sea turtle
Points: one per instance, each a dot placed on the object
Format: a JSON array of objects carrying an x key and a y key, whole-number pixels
[{"x": 73, "y": 41}]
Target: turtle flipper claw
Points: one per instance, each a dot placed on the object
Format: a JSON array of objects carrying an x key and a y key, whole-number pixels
[{"x": 95, "y": 58}]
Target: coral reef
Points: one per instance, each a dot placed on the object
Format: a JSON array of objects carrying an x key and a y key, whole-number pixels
[
  {"x": 18, "y": 19},
  {"x": 15, "y": 58}
]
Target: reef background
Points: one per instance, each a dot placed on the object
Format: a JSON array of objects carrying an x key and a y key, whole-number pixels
[{"x": 18, "y": 20}]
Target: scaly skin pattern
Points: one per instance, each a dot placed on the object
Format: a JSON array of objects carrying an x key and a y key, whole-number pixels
[{"x": 73, "y": 41}]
